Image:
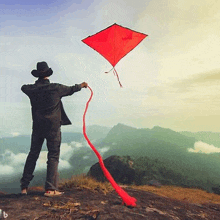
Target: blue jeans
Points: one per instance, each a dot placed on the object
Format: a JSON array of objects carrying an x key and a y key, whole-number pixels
[{"x": 53, "y": 145}]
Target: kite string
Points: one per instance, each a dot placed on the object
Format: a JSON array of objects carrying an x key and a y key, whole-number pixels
[{"x": 128, "y": 200}]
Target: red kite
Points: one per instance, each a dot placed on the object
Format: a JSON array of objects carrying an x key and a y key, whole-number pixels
[{"x": 114, "y": 43}]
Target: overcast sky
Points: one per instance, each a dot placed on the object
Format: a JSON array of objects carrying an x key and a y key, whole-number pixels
[{"x": 170, "y": 79}]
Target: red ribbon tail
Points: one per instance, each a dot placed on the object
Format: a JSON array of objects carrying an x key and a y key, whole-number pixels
[
  {"x": 115, "y": 72},
  {"x": 128, "y": 200}
]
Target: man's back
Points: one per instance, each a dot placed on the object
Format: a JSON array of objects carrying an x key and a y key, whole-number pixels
[
  {"x": 45, "y": 98},
  {"x": 42, "y": 95}
]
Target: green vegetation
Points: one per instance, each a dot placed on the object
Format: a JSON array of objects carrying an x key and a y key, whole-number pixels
[
  {"x": 158, "y": 153},
  {"x": 162, "y": 154}
]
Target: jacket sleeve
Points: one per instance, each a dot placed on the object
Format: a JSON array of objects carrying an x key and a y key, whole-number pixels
[{"x": 68, "y": 90}]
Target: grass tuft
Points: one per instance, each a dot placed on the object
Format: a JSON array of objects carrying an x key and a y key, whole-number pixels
[
  {"x": 85, "y": 182},
  {"x": 196, "y": 196}
]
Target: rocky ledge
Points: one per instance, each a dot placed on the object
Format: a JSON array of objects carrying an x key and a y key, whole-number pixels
[{"x": 82, "y": 204}]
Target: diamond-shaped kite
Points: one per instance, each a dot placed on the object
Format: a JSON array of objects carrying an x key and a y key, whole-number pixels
[{"x": 114, "y": 43}]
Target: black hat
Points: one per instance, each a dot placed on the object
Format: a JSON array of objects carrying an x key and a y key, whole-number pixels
[{"x": 42, "y": 70}]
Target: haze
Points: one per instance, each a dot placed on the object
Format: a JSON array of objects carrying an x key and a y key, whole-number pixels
[{"x": 170, "y": 79}]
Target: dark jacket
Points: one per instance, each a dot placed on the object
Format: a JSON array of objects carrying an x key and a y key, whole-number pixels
[{"x": 47, "y": 109}]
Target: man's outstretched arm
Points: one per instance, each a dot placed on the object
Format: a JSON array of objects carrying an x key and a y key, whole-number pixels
[{"x": 69, "y": 90}]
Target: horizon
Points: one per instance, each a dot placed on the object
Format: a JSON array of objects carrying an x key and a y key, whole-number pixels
[{"x": 79, "y": 129}]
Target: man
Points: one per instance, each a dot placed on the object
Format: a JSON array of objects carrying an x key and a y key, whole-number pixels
[{"x": 48, "y": 115}]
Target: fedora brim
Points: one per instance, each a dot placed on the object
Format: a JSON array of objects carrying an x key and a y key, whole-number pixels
[{"x": 37, "y": 73}]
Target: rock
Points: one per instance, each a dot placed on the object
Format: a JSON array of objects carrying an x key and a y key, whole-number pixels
[
  {"x": 216, "y": 190},
  {"x": 119, "y": 167}
]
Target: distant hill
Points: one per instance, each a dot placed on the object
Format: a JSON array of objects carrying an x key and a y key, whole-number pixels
[
  {"x": 155, "y": 142},
  {"x": 159, "y": 152},
  {"x": 212, "y": 138},
  {"x": 96, "y": 132},
  {"x": 170, "y": 149}
]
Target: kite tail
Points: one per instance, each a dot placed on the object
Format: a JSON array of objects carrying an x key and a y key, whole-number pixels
[
  {"x": 110, "y": 70},
  {"x": 115, "y": 72},
  {"x": 128, "y": 200}
]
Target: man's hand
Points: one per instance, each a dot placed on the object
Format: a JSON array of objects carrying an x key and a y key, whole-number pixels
[{"x": 84, "y": 85}]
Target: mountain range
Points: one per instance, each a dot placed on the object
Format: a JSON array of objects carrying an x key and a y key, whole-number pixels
[{"x": 160, "y": 150}]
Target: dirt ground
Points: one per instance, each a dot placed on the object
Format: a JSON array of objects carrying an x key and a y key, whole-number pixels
[{"x": 85, "y": 204}]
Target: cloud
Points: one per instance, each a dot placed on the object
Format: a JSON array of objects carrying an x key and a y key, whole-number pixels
[
  {"x": 11, "y": 163},
  {"x": 76, "y": 144},
  {"x": 209, "y": 78},
  {"x": 17, "y": 160},
  {"x": 192, "y": 96},
  {"x": 64, "y": 165},
  {"x": 103, "y": 150},
  {"x": 42, "y": 162},
  {"x": 6, "y": 170},
  {"x": 66, "y": 151},
  {"x": 187, "y": 84},
  {"x": 201, "y": 147},
  {"x": 13, "y": 159}
]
